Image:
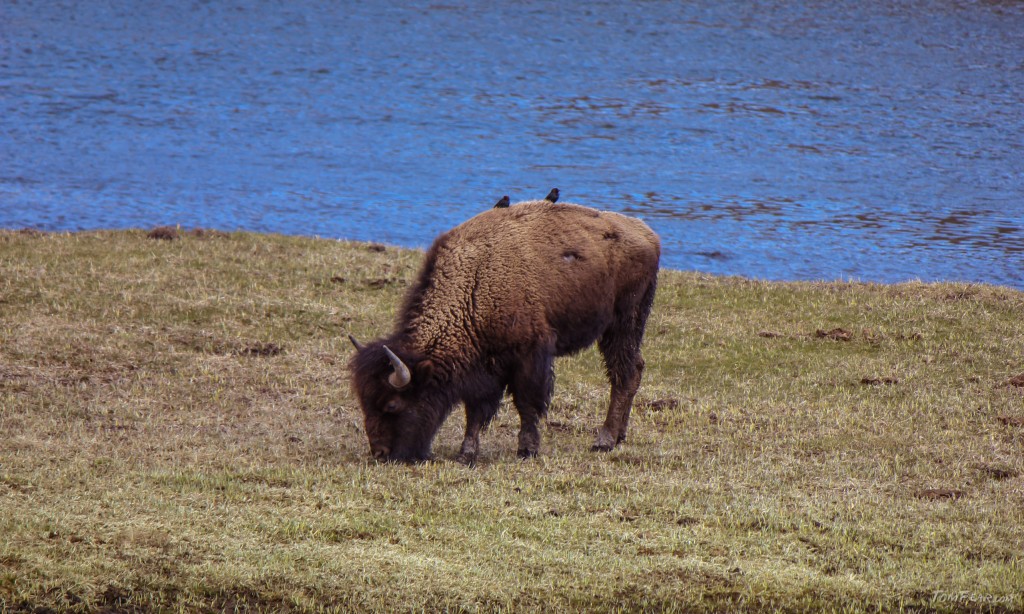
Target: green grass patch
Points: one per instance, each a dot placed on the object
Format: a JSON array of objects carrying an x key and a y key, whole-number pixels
[{"x": 177, "y": 433}]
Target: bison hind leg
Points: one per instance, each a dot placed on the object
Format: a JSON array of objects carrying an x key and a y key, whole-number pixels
[
  {"x": 613, "y": 431},
  {"x": 531, "y": 387},
  {"x": 620, "y": 347}
]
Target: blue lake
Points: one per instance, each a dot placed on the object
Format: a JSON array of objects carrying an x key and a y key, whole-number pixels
[{"x": 880, "y": 141}]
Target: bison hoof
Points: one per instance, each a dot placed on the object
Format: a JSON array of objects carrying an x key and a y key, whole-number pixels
[
  {"x": 605, "y": 441},
  {"x": 468, "y": 460},
  {"x": 526, "y": 453}
]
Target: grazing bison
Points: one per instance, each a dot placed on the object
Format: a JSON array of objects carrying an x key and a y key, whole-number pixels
[{"x": 497, "y": 299}]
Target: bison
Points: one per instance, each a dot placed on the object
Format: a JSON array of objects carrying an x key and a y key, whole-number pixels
[{"x": 496, "y": 300}]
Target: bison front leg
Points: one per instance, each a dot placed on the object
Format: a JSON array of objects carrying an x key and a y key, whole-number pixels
[
  {"x": 531, "y": 389},
  {"x": 479, "y": 412}
]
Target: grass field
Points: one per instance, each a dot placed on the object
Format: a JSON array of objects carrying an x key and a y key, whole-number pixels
[{"x": 177, "y": 433}]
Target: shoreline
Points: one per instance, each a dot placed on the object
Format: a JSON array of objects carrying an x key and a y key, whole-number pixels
[{"x": 178, "y": 232}]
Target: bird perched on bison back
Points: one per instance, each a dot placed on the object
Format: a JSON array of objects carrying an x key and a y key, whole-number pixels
[
  {"x": 552, "y": 196},
  {"x": 502, "y": 202},
  {"x": 496, "y": 300}
]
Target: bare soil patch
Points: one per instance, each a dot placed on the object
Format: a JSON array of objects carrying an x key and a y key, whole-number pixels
[{"x": 835, "y": 334}]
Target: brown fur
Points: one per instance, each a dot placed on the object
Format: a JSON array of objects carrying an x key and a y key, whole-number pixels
[{"x": 497, "y": 299}]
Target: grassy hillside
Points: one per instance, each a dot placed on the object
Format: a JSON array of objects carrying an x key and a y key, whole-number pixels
[{"x": 177, "y": 432}]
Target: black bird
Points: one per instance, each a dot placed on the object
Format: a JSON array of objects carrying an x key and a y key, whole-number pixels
[
  {"x": 501, "y": 204},
  {"x": 552, "y": 196}
]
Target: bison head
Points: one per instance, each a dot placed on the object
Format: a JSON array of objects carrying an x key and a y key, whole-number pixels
[{"x": 403, "y": 406}]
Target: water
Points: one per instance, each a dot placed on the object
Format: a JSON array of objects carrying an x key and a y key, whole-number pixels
[{"x": 870, "y": 140}]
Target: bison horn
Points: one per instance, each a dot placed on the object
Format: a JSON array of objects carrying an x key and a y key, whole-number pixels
[
  {"x": 401, "y": 377},
  {"x": 355, "y": 342}
]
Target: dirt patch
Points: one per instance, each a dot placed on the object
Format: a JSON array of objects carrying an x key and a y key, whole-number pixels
[
  {"x": 871, "y": 336},
  {"x": 260, "y": 349},
  {"x": 660, "y": 404},
  {"x": 558, "y": 426},
  {"x": 1011, "y": 420},
  {"x": 879, "y": 381},
  {"x": 997, "y": 472},
  {"x": 938, "y": 494},
  {"x": 909, "y": 337},
  {"x": 767, "y": 334},
  {"x": 163, "y": 233},
  {"x": 15, "y": 485},
  {"x": 836, "y": 334},
  {"x": 376, "y": 247},
  {"x": 1016, "y": 382},
  {"x": 207, "y": 233},
  {"x": 338, "y": 279},
  {"x": 381, "y": 282}
]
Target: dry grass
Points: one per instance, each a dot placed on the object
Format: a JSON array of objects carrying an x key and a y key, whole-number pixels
[{"x": 178, "y": 434}]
